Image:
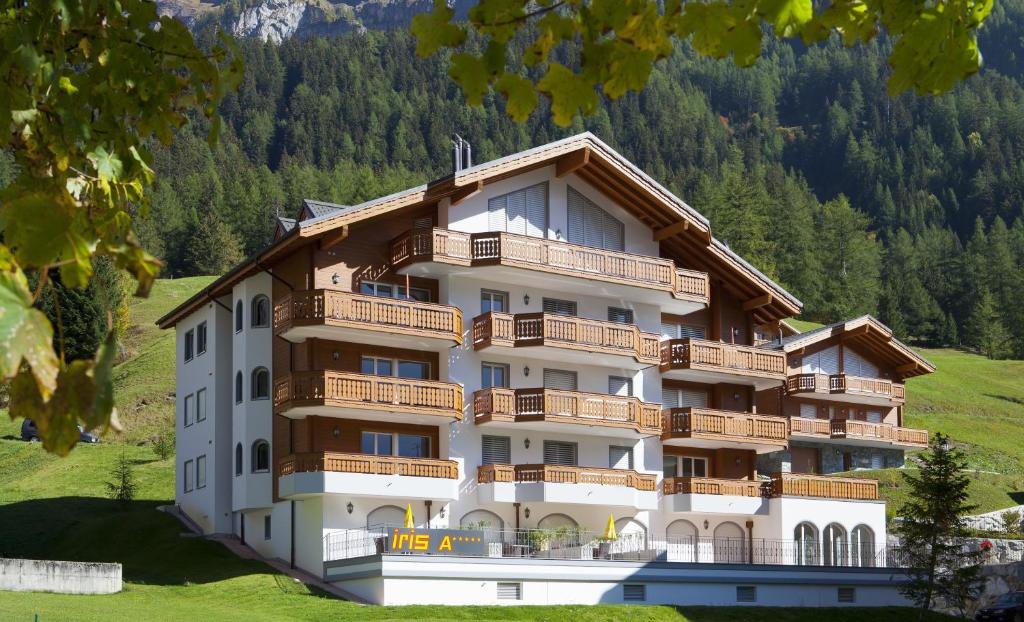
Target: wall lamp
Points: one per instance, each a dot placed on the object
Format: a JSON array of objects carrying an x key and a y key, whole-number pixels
[
  {"x": 350, "y": 507},
  {"x": 441, "y": 512},
  {"x": 335, "y": 278},
  {"x": 526, "y": 443},
  {"x": 705, "y": 524},
  {"x": 526, "y": 371},
  {"x": 526, "y": 299},
  {"x": 526, "y": 512}
]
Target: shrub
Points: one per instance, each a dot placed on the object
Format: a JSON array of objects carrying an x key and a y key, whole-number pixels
[
  {"x": 1011, "y": 521},
  {"x": 122, "y": 487},
  {"x": 163, "y": 445}
]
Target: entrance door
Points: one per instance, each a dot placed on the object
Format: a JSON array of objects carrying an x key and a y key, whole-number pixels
[{"x": 803, "y": 459}]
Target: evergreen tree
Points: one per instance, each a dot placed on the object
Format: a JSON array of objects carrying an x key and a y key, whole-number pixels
[
  {"x": 122, "y": 486},
  {"x": 985, "y": 331},
  {"x": 211, "y": 247},
  {"x": 950, "y": 334},
  {"x": 933, "y": 534},
  {"x": 850, "y": 262}
]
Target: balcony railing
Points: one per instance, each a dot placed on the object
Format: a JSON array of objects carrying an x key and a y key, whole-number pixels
[
  {"x": 557, "y": 474},
  {"x": 717, "y": 356},
  {"x": 344, "y": 389},
  {"x": 794, "y": 485},
  {"x": 847, "y": 385},
  {"x": 367, "y": 464},
  {"x": 853, "y": 429},
  {"x": 713, "y": 486},
  {"x": 811, "y": 427},
  {"x": 322, "y": 307},
  {"x": 575, "y": 333},
  {"x": 500, "y": 404},
  {"x": 704, "y": 423},
  {"x": 552, "y": 256}
]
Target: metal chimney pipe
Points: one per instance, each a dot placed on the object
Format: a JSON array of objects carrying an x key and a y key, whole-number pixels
[
  {"x": 457, "y": 154},
  {"x": 467, "y": 154}
]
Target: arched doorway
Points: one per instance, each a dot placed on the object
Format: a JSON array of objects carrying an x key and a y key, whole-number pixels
[
  {"x": 483, "y": 520},
  {"x": 632, "y": 536},
  {"x": 805, "y": 545},
  {"x": 554, "y": 521},
  {"x": 730, "y": 546},
  {"x": 681, "y": 541},
  {"x": 385, "y": 516},
  {"x": 862, "y": 546},
  {"x": 834, "y": 544}
]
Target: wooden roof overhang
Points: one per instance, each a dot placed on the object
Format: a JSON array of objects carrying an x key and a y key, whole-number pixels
[{"x": 870, "y": 337}]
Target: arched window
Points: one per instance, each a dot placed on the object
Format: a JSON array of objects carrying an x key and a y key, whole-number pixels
[
  {"x": 862, "y": 546},
  {"x": 834, "y": 541},
  {"x": 730, "y": 546},
  {"x": 238, "y": 316},
  {"x": 554, "y": 521},
  {"x": 385, "y": 516},
  {"x": 260, "y": 456},
  {"x": 805, "y": 537},
  {"x": 567, "y": 532},
  {"x": 238, "y": 388},
  {"x": 260, "y": 312},
  {"x": 482, "y": 519},
  {"x": 238, "y": 459},
  {"x": 632, "y": 536},
  {"x": 260, "y": 383},
  {"x": 681, "y": 538}
]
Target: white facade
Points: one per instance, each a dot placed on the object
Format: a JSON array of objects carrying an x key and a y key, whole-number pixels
[{"x": 238, "y": 494}]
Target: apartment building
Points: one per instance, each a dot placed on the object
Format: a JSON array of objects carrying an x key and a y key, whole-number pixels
[{"x": 518, "y": 354}]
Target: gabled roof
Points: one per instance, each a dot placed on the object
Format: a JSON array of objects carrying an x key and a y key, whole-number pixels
[
  {"x": 285, "y": 224},
  {"x": 683, "y": 232},
  {"x": 867, "y": 332}
]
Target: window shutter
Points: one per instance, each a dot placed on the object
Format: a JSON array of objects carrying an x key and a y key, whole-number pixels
[
  {"x": 496, "y": 450},
  {"x": 425, "y": 222},
  {"x": 560, "y": 379},
  {"x": 856, "y": 365},
  {"x": 496, "y": 213},
  {"x": 536, "y": 210},
  {"x": 576, "y": 216},
  {"x": 877, "y": 461},
  {"x": 670, "y": 398},
  {"x": 515, "y": 212},
  {"x": 510, "y": 591},
  {"x": 828, "y": 361},
  {"x": 808, "y": 411},
  {"x": 634, "y": 591},
  {"x": 670, "y": 331},
  {"x": 621, "y": 316},
  {"x": 874, "y": 416},
  {"x": 593, "y": 227},
  {"x": 614, "y": 233},
  {"x": 618, "y": 385},
  {"x": 560, "y": 453},
  {"x": 620, "y": 458},
  {"x": 559, "y": 307},
  {"x": 687, "y": 398},
  {"x": 692, "y": 332}
]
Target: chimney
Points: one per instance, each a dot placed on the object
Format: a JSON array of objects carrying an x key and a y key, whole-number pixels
[{"x": 462, "y": 154}]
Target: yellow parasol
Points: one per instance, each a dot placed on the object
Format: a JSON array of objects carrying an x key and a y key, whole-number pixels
[
  {"x": 409, "y": 524},
  {"x": 609, "y": 531}
]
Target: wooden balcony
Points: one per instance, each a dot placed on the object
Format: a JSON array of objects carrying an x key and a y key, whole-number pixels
[
  {"x": 793, "y": 485},
  {"x": 713, "y": 429},
  {"x": 347, "y": 316},
  {"x": 566, "y": 411},
  {"x": 366, "y": 464},
  {"x": 713, "y": 486},
  {"x": 342, "y": 394},
  {"x": 877, "y": 434},
  {"x": 555, "y": 474},
  {"x": 700, "y": 360},
  {"x": 567, "y": 338},
  {"x": 527, "y": 260},
  {"x": 847, "y": 388},
  {"x": 816, "y": 428}
]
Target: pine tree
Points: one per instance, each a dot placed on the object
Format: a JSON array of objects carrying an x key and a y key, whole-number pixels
[
  {"x": 985, "y": 330},
  {"x": 122, "y": 486},
  {"x": 211, "y": 248},
  {"x": 950, "y": 334},
  {"x": 933, "y": 534}
]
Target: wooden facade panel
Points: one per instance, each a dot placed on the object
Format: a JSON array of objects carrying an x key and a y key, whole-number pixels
[
  {"x": 722, "y": 463},
  {"x": 349, "y": 434},
  {"x": 349, "y": 356}
]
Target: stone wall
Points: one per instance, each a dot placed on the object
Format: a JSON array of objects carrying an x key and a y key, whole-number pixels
[
  {"x": 991, "y": 521},
  {"x": 832, "y": 458},
  {"x": 34, "y": 575}
]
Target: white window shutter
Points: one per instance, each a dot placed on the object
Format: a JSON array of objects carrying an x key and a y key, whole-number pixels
[
  {"x": 560, "y": 379},
  {"x": 808, "y": 411},
  {"x": 828, "y": 361},
  {"x": 617, "y": 385},
  {"x": 620, "y": 457},
  {"x": 496, "y": 450},
  {"x": 537, "y": 210},
  {"x": 670, "y": 331},
  {"x": 576, "y": 217},
  {"x": 496, "y": 213},
  {"x": 693, "y": 398}
]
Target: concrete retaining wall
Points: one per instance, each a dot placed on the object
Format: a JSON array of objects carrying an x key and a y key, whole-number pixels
[{"x": 34, "y": 575}]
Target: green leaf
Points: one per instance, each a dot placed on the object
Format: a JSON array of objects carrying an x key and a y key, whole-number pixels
[
  {"x": 628, "y": 70},
  {"x": 788, "y": 16},
  {"x": 435, "y": 30},
  {"x": 108, "y": 165},
  {"x": 25, "y": 333},
  {"x": 472, "y": 74},
  {"x": 570, "y": 94},
  {"x": 520, "y": 96}
]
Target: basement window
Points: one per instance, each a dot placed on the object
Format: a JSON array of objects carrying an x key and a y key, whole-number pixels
[
  {"x": 746, "y": 594},
  {"x": 634, "y": 591},
  {"x": 846, "y": 595},
  {"x": 510, "y": 591}
]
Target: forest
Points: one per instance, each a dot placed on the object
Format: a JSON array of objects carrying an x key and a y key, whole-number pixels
[{"x": 909, "y": 208}]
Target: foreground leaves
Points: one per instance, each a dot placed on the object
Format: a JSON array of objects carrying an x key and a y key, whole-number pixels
[
  {"x": 83, "y": 86},
  {"x": 617, "y": 41}
]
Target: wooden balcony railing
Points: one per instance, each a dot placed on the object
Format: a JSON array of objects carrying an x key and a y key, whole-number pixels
[
  {"x": 344, "y": 389},
  {"x": 575, "y": 333},
  {"x": 566, "y": 406},
  {"x": 853, "y": 429},
  {"x": 713, "y": 486},
  {"x": 717, "y": 356},
  {"x": 368, "y": 464},
  {"x": 704, "y": 423},
  {"x": 793, "y": 485},
  {"x": 325, "y": 307},
  {"x": 846, "y": 384},
  {"x": 552, "y": 256},
  {"x": 807, "y": 426},
  {"x": 555, "y": 474}
]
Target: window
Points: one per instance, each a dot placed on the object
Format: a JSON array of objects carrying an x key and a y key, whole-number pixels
[
  {"x": 805, "y": 537},
  {"x": 560, "y": 453},
  {"x": 238, "y": 387},
  {"x": 260, "y": 383},
  {"x": 260, "y": 312},
  {"x": 413, "y": 446},
  {"x": 846, "y": 594},
  {"x": 493, "y": 375},
  {"x": 238, "y": 459},
  {"x": 874, "y": 416},
  {"x": 559, "y": 307},
  {"x": 201, "y": 472},
  {"x": 496, "y": 450},
  {"x": 386, "y": 444},
  {"x": 260, "y": 456},
  {"x": 510, "y": 591},
  {"x": 188, "y": 476},
  {"x": 560, "y": 379},
  {"x": 189, "y": 344},
  {"x": 834, "y": 540},
  {"x": 683, "y": 331},
  {"x": 387, "y": 290},
  {"x": 524, "y": 211},
  {"x": 634, "y": 591},
  {"x": 387, "y": 367},
  {"x": 592, "y": 226},
  {"x": 201, "y": 338},
  {"x": 414, "y": 369},
  {"x": 824, "y": 362},
  {"x": 746, "y": 593},
  {"x": 190, "y": 411},
  {"x": 808, "y": 411},
  {"x": 238, "y": 316},
  {"x": 376, "y": 366},
  {"x": 377, "y": 443},
  {"x": 862, "y": 546},
  {"x": 620, "y": 457},
  {"x": 620, "y": 316},
  {"x": 620, "y": 385},
  {"x": 877, "y": 460},
  {"x": 266, "y": 527},
  {"x": 684, "y": 466},
  {"x": 683, "y": 398},
  {"x": 495, "y": 301},
  {"x": 201, "y": 405}
]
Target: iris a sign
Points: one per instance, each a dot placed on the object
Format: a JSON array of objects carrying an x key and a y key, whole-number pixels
[{"x": 437, "y": 542}]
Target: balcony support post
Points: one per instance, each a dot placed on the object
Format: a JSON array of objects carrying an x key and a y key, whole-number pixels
[{"x": 750, "y": 542}]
